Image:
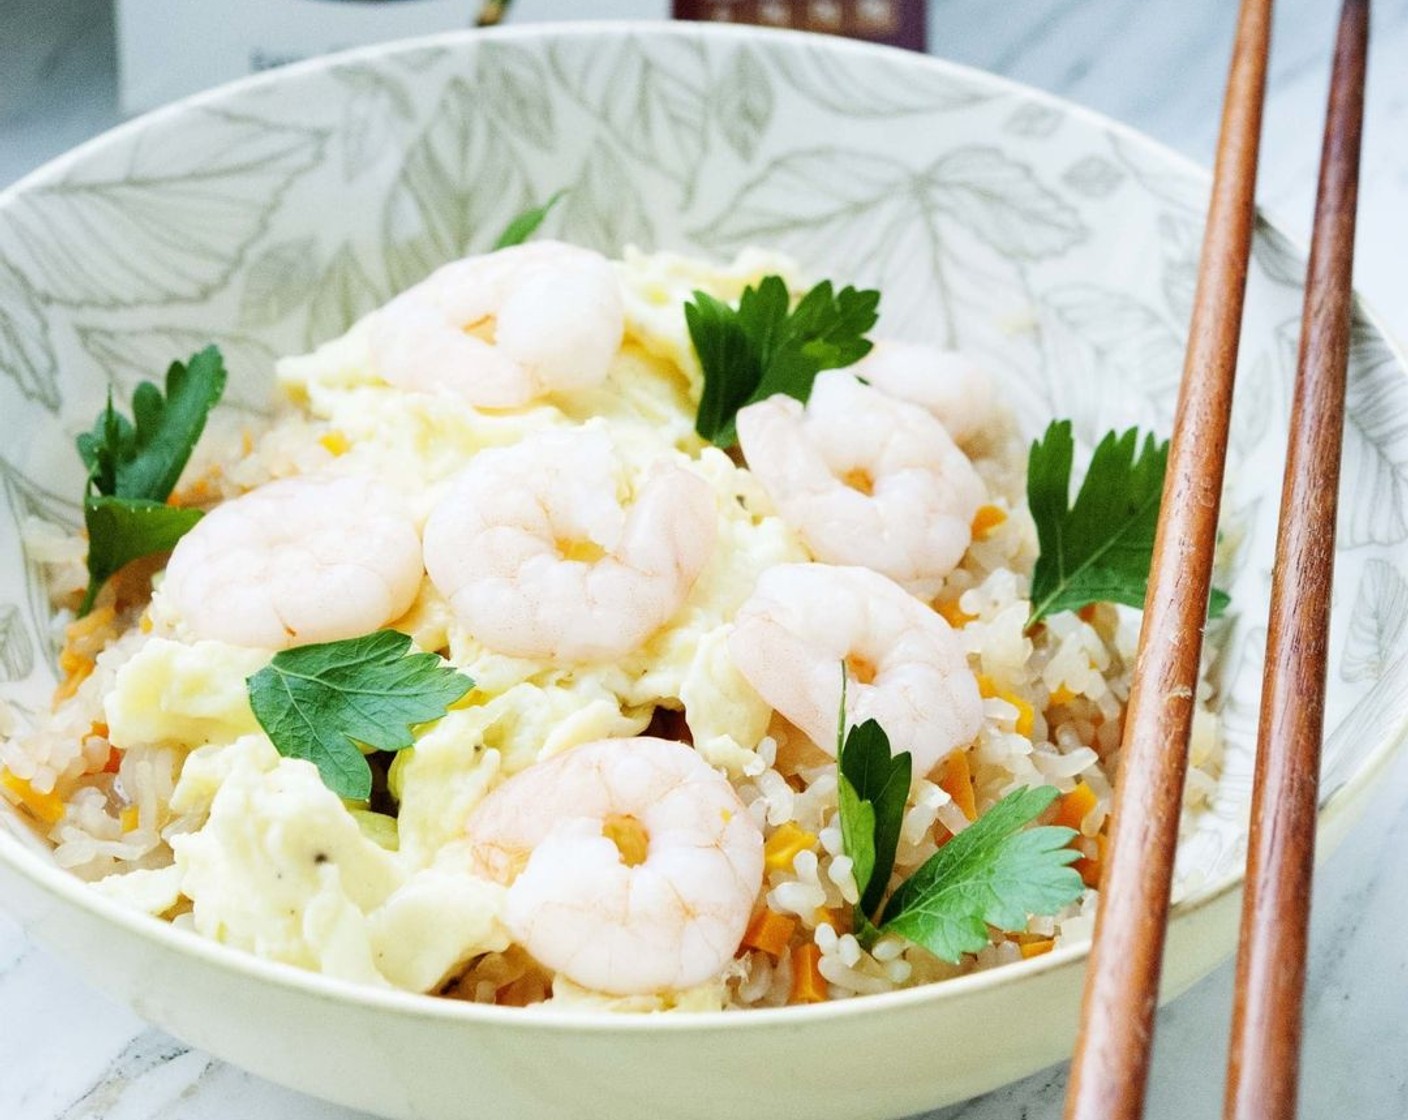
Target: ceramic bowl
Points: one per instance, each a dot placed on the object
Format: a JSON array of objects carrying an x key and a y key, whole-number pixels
[{"x": 1057, "y": 246}]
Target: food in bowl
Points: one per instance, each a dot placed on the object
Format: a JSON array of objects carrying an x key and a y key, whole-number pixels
[{"x": 633, "y": 634}]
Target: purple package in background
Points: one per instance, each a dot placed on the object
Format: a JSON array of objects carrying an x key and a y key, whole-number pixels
[{"x": 897, "y": 22}]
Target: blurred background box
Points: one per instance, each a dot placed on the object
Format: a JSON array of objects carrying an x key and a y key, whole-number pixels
[
  {"x": 169, "y": 48},
  {"x": 899, "y": 23}
]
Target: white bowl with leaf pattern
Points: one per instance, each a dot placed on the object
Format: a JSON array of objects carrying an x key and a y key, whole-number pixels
[{"x": 1057, "y": 246}]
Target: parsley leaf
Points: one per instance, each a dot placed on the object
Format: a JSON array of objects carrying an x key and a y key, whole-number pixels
[
  {"x": 732, "y": 369},
  {"x": 121, "y": 530},
  {"x": 872, "y": 789},
  {"x": 144, "y": 459},
  {"x": 526, "y": 224},
  {"x": 1099, "y": 549},
  {"x": 996, "y": 872},
  {"x": 133, "y": 466},
  {"x": 319, "y": 702},
  {"x": 765, "y": 346}
]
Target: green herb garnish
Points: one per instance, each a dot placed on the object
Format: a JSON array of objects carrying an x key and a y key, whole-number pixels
[
  {"x": 323, "y": 702},
  {"x": 121, "y": 530},
  {"x": 526, "y": 224},
  {"x": 765, "y": 346},
  {"x": 872, "y": 787},
  {"x": 995, "y": 872},
  {"x": 133, "y": 466},
  {"x": 1099, "y": 549}
]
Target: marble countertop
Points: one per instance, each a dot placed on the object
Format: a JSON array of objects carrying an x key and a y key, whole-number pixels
[{"x": 70, "y": 1054}]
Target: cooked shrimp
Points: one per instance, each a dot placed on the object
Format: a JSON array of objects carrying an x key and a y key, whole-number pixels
[
  {"x": 905, "y": 667},
  {"x": 506, "y": 328},
  {"x": 631, "y": 864},
  {"x": 539, "y": 558},
  {"x": 950, "y": 385},
  {"x": 865, "y": 479},
  {"x": 297, "y": 561}
]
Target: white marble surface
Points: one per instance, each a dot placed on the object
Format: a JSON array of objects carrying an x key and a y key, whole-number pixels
[{"x": 67, "y": 1053}]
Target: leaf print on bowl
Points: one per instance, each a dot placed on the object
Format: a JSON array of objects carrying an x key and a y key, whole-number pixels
[
  {"x": 655, "y": 102},
  {"x": 171, "y": 225},
  {"x": 1376, "y": 445},
  {"x": 16, "y": 649},
  {"x": 131, "y": 357},
  {"x": 743, "y": 102},
  {"x": 1001, "y": 200},
  {"x": 830, "y": 81},
  {"x": 460, "y": 185},
  {"x": 1170, "y": 182},
  {"x": 1114, "y": 361},
  {"x": 26, "y": 356},
  {"x": 26, "y": 499},
  {"x": 1180, "y": 243},
  {"x": 343, "y": 295},
  {"x": 602, "y": 209},
  {"x": 960, "y": 229},
  {"x": 1034, "y": 120},
  {"x": 1279, "y": 259},
  {"x": 1377, "y": 623},
  {"x": 1093, "y": 177},
  {"x": 378, "y": 108},
  {"x": 1254, "y": 406},
  {"x": 279, "y": 280},
  {"x": 513, "y": 84},
  {"x": 1377, "y": 712},
  {"x": 1237, "y": 526}
]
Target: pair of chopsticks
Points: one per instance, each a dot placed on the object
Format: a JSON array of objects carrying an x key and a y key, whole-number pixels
[{"x": 1111, "y": 1064}]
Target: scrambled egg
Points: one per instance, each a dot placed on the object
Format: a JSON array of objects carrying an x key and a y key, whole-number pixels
[
  {"x": 185, "y": 694},
  {"x": 281, "y": 866}
]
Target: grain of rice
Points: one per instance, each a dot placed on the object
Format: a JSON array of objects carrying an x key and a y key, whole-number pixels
[
  {"x": 898, "y": 971},
  {"x": 841, "y": 872},
  {"x": 888, "y": 949}
]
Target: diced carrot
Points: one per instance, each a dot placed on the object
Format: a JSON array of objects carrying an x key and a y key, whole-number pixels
[
  {"x": 783, "y": 845},
  {"x": 335, "y": 442},
  {"x": 1026, "y": 717},
  {"x": 97, "y": 619},
  {"x": 770, "y": 932},
  {"x": 114, "y": 762},
  {"x": 808, "y": 984},
  {"x": 956, "y": 779},
  {"x": 46, "y": 807},
  {"x": 838, "y": 919},
  {"x": 76, "y": 669},
  {"x": 130, "y": 818},
  {"x": 527, "y": 989},
  {"x": 1062, "y": 695},
  {"x": 953, "y": 614},
  {"x": 1088, "y": 867},
  {"x": 1072, "y": 808},
  {"x": 83, "y": 639},
  {"x": 986, "y": 520},
  {"x": 1030, "y": 949}
]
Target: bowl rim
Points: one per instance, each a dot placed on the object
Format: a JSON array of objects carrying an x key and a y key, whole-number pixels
[{"x": 1343, "y": 803}]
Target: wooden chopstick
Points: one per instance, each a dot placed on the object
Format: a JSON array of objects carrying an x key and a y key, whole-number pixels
[
  {"x": 1111, "y": 1065},
  {"x": 1266, "y": 1021}
]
